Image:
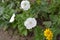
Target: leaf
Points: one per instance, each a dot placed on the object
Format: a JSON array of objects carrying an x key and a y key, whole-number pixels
[
  {"x": 1, "y": 10},
  {"x": 38, "y": 32},
  {"x": 54, "y": 18},
  {"x": 24, "y": 32},
  {"x": 47, "y": 23},
  {"x": 55, "y": 31}
]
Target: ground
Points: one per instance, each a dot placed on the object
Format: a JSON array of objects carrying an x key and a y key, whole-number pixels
[{"x": 8, "y": 35}]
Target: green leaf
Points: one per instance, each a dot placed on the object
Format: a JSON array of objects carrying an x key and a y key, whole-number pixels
[
  {"x": 38, "y": 32},
  {"x": 25, "y": 32},
  {"x": 47, "y": 23}
]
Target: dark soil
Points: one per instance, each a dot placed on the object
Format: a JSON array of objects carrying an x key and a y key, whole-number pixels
[
  {"x": 8, "y": 35},
  {"x": 58, "y": 37}
]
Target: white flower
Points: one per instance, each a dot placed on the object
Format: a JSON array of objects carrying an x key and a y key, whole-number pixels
[
  {"x": 30, "y": 23},
  {"x": 25, "y": 5},
  {"x": 12, "y": 18}
]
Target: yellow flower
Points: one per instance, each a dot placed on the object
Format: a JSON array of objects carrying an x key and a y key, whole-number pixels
[
  {"x": 49, "y": 37},
  {"x": 48, "y": 34}
]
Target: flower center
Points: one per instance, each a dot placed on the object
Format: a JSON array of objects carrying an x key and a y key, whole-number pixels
[
  {"x": 30, "y": 22},
  {"x": 48, "y": 32},
  {"x": 25, "y": 4}
]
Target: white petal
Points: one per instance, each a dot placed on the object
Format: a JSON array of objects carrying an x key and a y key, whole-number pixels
[
  {"x": 13, "y": 15},
  {"x": 25, "y": 5},
  {"x": 27, "y": 25},
  {"x": 30, "y": 23},
  {"x": 34, "y": 22},
  {"x": 12, "y": 18}
]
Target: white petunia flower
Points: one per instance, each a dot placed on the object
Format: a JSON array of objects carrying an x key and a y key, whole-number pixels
[
  {"x": 25, "y": 5},
  {"x": 30, "y": 23},
  {"x": 12, "y": 18}
]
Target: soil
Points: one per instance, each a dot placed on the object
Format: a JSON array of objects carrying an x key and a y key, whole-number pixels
[
  {"x": 8, "y": 35},
  {"x": 58, "y": 37}
]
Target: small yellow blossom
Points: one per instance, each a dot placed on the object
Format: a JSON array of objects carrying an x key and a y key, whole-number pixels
[{"x": 48, "y": 34}]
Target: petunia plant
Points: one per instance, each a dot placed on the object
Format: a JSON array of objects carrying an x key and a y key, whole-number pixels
[{"x": 40, "y": 16}]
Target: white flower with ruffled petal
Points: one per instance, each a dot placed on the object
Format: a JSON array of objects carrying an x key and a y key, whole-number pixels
[
  {"x": 12, "y": 18},
  {"x": 25, "y": 5},
  {"x": 30, "y": 23}
]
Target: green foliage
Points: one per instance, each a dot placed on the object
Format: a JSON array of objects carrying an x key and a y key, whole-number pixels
[
  {"x": 47, "y": 24},
  {"x": 47, "y": 11},
  {"x": 38, "y": 33}
]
